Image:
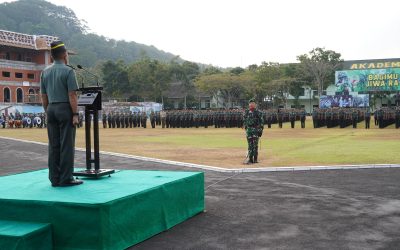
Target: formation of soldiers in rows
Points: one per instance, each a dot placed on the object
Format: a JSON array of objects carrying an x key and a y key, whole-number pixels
[
  {"x": 232, "y": 118},
  {"x": 344, "y": 117},
  {"x": 333, "y": 117},
  {"x": 129, "y": 119},
  {"x": 387, "y": 116}
]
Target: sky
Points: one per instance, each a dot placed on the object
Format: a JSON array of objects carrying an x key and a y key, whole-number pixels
[{"x": 231, "y": 33}]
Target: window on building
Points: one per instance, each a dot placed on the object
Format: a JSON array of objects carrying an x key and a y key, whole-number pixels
[
  {"x": 19, "y": 75},
  {"x": 19, "y": 57},
  {"x": 31, "y": 95},
  {"x": 302, "y": 92},
  {"x": 6, "y": 74},
  {"x": 31, "y": 76},
  {"x": 8, "y": 56},
  {"x": 206, "y": 104},
  {"x": 6, "y": 95},
  {"x": 20, "y": 95},
  {"x": 28, "y": 59}
]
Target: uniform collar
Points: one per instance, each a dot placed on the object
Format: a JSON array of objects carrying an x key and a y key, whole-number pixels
[{"x": 58, "y": 62}]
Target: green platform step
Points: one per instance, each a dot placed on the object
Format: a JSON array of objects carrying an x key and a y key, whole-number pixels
[
  {"x": 17, "y": 235},
  {"x": 111, "y": 213}
]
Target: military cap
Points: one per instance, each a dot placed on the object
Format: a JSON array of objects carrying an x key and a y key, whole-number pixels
[{"x": 57, "y": 45}]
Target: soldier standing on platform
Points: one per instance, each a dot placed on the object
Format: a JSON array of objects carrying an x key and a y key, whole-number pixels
[
  {"x": 58, "y": 86},
  {"x": 253, "y": 122},
  {"x": 367, "y": 117}
]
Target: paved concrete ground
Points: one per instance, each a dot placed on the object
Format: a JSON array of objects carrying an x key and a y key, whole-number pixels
[{"x": 329, "y": 209}]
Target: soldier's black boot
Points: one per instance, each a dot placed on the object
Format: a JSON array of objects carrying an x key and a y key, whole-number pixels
[
  {"x": 255, "y": 158},
  {"x": 249, "y": 160}
]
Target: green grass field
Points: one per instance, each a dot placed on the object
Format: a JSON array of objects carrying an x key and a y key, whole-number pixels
[{"x": 227, "y": 147}]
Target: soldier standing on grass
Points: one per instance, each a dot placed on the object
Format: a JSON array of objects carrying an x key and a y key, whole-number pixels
[
  {"x": 354, "y": 117},
  {"x": 280, "y": 118},
  {"x": 153, "y": 119},
  {"x": 117, "y": 120},
  {"x": 104, "y": 120},
  {"x": 367, "y": 118},
  {"x": 143, "y": 120},
  {"x": 303, "y": 115},
  {"x": 130, "y": 119},
  {"x": 292, "y": 118},
  {"x": 253, "y": 123},
  {"x": 109, "y": 120}
]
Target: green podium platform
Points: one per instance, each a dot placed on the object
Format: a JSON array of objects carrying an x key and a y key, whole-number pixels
[
  {"x": 15, "y": 235},
  {"x": 108, "y": 213}
]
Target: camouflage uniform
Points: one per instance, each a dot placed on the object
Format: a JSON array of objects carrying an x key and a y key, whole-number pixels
[{"x": 253, "y": 122}]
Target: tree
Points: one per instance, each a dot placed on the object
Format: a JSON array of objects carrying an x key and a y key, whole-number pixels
[
  {"x": 237, "y": 71},
  {"x": 294, "y": 81},
  {"x": 115, "y": 78},
  {"x": 185, "y": 73},
  {"x": 211, "y": 70},
  {"x": 265, "y": 84},
  {"x": 149, "y": 79},
  {"x": 229, "y": 86},
  {"x": 320, "y": 65}
]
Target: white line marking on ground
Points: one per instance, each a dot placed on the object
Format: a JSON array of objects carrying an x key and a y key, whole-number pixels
[{"x": 226, "y": 170}]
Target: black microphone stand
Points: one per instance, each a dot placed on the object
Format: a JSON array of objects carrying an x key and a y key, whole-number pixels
[{"x": 90, "y": 98}]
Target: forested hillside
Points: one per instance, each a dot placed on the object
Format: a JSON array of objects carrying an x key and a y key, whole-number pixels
[{"x": 38, "y": 17}]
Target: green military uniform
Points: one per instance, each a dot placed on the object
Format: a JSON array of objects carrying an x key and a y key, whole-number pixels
[
  {"x": 253, "y": 122},
  {"x": 367, "y": 117},
  {"x": 56, "y": 82},
  {"x": 354, "y": 117},
  {"x": 153, "y": 119},
  {"x": 104, "y": 119}
]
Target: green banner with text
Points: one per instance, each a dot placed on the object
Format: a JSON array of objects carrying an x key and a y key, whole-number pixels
[{"x": 367, "y": 80}]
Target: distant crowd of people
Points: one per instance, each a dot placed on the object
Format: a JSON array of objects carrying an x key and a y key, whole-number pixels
[
  {"x": 28, "y": 120},
  {"x": 24, "y": 120}
]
